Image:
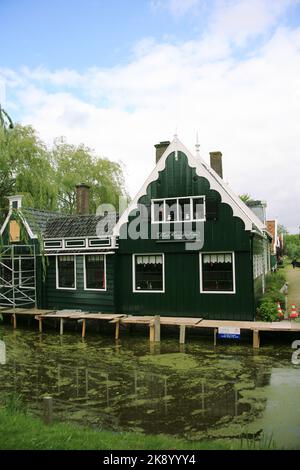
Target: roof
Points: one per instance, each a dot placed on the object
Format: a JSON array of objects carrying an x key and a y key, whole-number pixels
[
  {"x": 239, "y": 208},
  {"x": 38, "y": 219},
  {"x": 55, "y": 225},
  {"x": 79, "y": 226}
]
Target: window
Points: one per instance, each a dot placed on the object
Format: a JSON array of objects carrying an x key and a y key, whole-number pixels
[
  {"x": 53, "y": 244},
  {"x": 65, "y": 272},
  {"x": 74, "y": 243},
  {"x": 184, "y": 209},
  {"x": 158, "y": 214},
  {"x": 95, "y": 272},
  {"x": 148, "y": 273},
  {"x": 14, "y": 231},
  {"x": 217, "y": 272}
]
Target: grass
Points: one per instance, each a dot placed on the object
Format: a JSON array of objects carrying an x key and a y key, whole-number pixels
[{"x": 18, "y": 431}]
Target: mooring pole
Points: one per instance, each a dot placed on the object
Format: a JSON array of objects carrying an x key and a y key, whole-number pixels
[
  {"x": 61, "y": 331},
  {"x": 215, "y": 336},
  {"x": 83, "y": 328},
  {"x": 182, "y": 334},
  {"x": 256, "y": 339},
  {"x": 157, "y": 328},
  {"x": 47, "y": 410}
]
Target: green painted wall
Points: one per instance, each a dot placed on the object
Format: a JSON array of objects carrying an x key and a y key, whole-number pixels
[
  {"x": 86, "y": 300},
  {"x": 182, "y": 295}
]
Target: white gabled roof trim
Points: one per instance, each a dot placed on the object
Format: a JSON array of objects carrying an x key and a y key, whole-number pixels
[
  {"x": 239, "y": 208},
  {"x": 28, "y": 229}
]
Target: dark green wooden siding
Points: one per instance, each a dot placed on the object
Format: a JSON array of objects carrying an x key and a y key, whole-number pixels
[
  {"x": 222, "y": 232},
  {"x": 182, "y": 295},
  {"x": 91, "y": 301}
]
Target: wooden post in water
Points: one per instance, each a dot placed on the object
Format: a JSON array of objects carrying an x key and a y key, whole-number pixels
[
  {"x": 157, "y": 328},
  {"x": 151, "y": 331},
  {"x": 215, "y": 336},
  {"x": 83, "y": 328},
  {"x": 47, "y": 410},
  {"x": 256, "y": 339},
  {"x": 14, "y": 317},
  {"x": 61, "y": 330},
  {"x": 182, "y": 329},
  {"x": 40, "y": 325},
  {"x": 117, "y": 332}
]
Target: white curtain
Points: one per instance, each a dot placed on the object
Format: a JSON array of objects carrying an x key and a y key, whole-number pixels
[
  {"x": 149, "y": 259},
  {"x": 217, "y": 258}
]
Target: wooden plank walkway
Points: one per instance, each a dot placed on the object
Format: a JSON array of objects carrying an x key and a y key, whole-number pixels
[{"x": 154, "y": 322}]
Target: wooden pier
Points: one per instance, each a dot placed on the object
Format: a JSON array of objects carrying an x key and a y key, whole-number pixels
[{"x": 154, "y": 323}]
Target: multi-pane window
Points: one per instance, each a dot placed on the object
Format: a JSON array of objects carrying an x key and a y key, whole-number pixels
[
  {"x": 258, "y": 266},
  {"x": 182, "y": 209},
  {"x": 95, "y": 272},
  {"x": 148, "y": 273},
  {"x": 217, "y": 272},
  {"x": 66, "y": 278}
]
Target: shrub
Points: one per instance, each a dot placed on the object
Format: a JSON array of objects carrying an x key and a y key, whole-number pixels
[{"x": 268, "y": 310}]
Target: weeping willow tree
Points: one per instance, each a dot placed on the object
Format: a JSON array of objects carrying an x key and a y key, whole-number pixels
[
  {"x": 47, "y": 177},
  {"x": 25, "y": 168},
  {"x": 5, "y": 120}
]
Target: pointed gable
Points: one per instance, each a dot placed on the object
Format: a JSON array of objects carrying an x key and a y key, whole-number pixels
[{"x": 238, "y": 207}]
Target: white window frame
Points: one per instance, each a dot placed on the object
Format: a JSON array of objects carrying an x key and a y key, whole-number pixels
[
  {"x": 84, "y": 273},
  {"x": 177, "y": 206},
  {"x": 138, "y": 291},
  {"x": 49, "y": 247},
  {"x": 57, "y": 273},
  {"x": 233, "y": 272},
  {"x": 79, "y": 243}
]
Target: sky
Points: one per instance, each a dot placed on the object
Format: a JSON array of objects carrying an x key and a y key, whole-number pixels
[{"x": 122, "y": 75}]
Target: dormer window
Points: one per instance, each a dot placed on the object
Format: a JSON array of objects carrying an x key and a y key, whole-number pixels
[
  {"x": 183, "y": 209},
  {"x": 15, "y": 202}
]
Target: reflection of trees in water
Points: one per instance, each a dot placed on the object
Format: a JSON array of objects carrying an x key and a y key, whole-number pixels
[{"x": 111, "y": 397}]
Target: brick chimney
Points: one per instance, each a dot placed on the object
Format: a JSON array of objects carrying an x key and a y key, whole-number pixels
[
  {"x": 216, "y": 162},
  {"x": 160, "y": 149},
  {"x": 82, "y": 199}
]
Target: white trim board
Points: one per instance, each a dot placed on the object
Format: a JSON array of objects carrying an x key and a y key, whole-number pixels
[
  {"x": 23, "y": 220},
  {"x": 239, "y": 208}
]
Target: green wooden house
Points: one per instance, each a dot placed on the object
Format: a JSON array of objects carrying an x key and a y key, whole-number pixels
[{"x": 185, "y": 246}]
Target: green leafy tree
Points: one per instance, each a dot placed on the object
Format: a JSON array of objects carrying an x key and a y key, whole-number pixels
[
  {"x": 78, "y": 164},
  {"x": 25, "y": 168},
  {"x": 245, "y": 197},
  {"x": 292, "y": 246}
]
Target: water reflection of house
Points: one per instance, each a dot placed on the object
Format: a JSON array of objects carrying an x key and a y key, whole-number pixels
[{"x": 220, "y": 275}]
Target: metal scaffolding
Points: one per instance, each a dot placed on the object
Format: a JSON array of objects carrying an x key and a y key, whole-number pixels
[{"x": 17, "y": 276}]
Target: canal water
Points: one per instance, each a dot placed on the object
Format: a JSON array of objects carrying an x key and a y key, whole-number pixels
[{"x": 193, "y": 391}]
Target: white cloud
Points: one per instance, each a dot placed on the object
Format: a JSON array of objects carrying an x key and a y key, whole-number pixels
[
  {"x": 249, "y": 109},
  {"x": 238, "y": 20}
]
